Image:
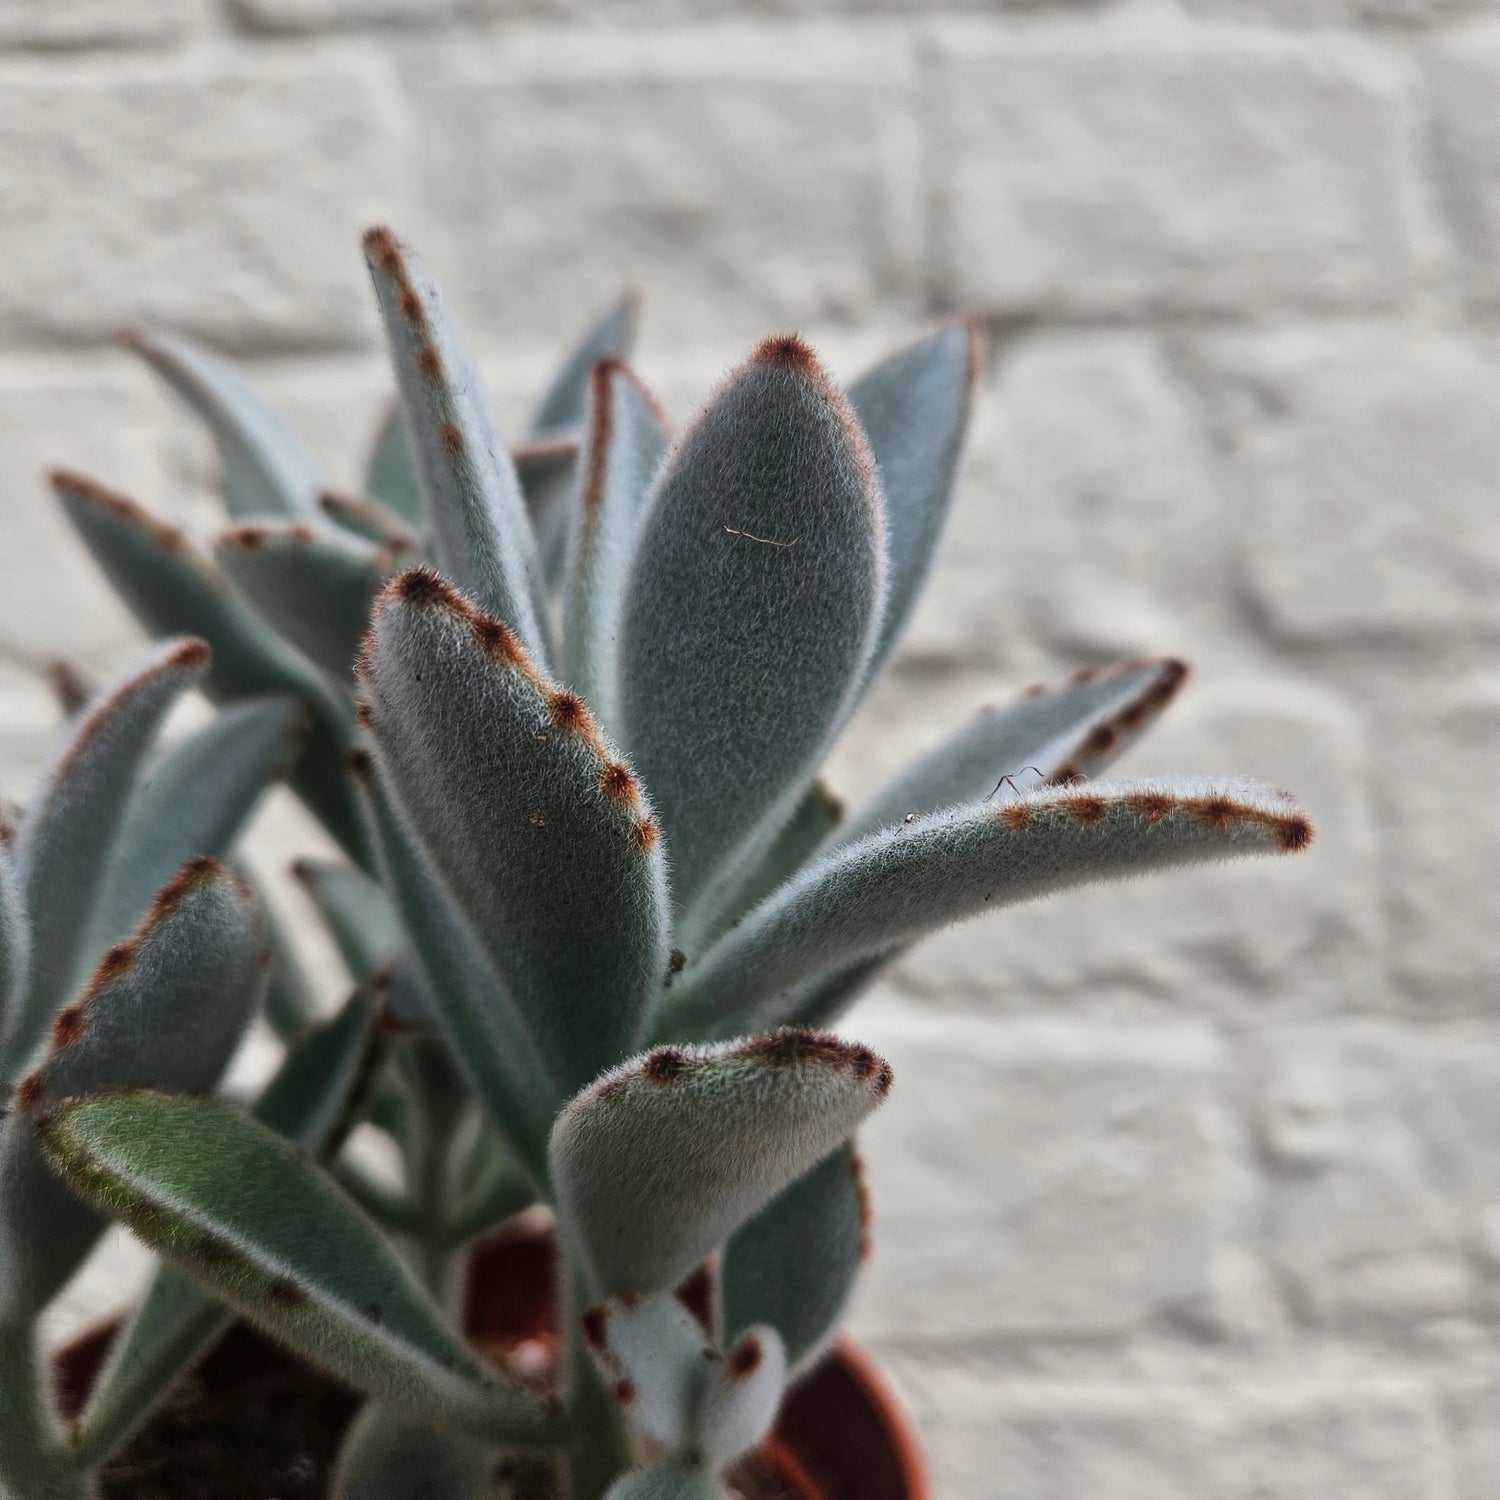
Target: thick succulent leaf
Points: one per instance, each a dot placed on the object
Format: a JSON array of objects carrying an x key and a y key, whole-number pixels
[
  {"x": 667, "y": 1481},
  {"x": 898, "y": 885},
  {"x": 536, "y": 824},
  {"x": 480, "y": 533},
  {"x": 914, "y": 407},
  {"x": 390, "y": 475},
  {"x": 663, "y": 1158},
  {"x": 165, "y": 1009},
  {"x": 386, "y": 1455},
  {"x": 610, "y": 337},
  {"x": 822, "y": 1001},
  {"x": 357, "y": 912},
  {"x": 268, "y": 471},
  {"x": 546, "y": 470},
  {"x": 250, "y": 1218},
  {"x": 315, "y": 584},
  {"x": 368, "y": 518},
  {"x": 70, "y": 685},
  {"x": 15, "y": 930},
  {"x": 176, "y": 1322},
  {"x": 752, "y": 606},
  {"x": 1047, "y": 735},
  {"x": 63, "y": 843},
  {"x": 486, "y": 1034},
  {"x": 194, "y": 798},
  {"x": 655, "y": 1359},
  {"x": 794, "y": 1264},
  {"x": 743, "y": 1396},
  {"x": 814, "y": 821},
  {"x": 169, "y": 588},
  {"x": 624, "y": 442}
]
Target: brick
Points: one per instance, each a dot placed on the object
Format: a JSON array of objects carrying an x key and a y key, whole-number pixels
[
  {"x": 1445, "y": 832},
  {"x": 1384, "y": 1143},
  {"x": 1161, "y": 172},
  {"x": 1331, "y": 13},
  {"x": 1012, "y": 1154},
  {"x": 1300, "y": 932},
  {"x": 319, "y": 15},
  {"x": 993, "y": 1440},
  {"x": 1464, "y": 75},
  {"x": 226, "y": 203},
  {"x": 102, "y": 422},
  {"x": 78, "y": 23},
  {"x": 1367, "y": 459},
  {"x": 743, "y": 186}
]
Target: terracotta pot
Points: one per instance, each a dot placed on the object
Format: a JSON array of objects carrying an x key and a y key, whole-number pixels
[{"x": 841, "y": 1434}]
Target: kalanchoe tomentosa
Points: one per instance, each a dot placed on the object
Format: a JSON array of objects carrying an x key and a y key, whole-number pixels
[{"x": 563, "y": 706}]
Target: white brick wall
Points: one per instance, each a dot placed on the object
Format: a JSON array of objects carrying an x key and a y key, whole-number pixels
[{"x": 1189, "y": 1189}]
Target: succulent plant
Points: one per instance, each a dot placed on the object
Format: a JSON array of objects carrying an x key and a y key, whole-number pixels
[{"x": 563, "y": 707}]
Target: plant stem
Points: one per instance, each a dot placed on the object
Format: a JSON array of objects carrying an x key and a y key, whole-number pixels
[
  {"x": 34, "y": 1463},
  {"x": 598, "y": 1443}
]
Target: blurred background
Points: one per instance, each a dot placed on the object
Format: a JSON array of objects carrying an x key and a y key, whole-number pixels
[{"x": 1188, "y": 1190}]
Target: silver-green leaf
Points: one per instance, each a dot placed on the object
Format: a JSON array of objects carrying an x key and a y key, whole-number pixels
[
  {"x": 610, "y": 337},
  {"x": 752, "y": 607},
  {"x": 257, "y": 1224},
  {"x": 534, "y": 821},
  {"x": 663, "y": 1158},
  {"x": 164, "y": 1009}
]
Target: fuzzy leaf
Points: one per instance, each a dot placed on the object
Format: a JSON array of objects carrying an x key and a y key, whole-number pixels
[
  {"x": 794, "y": 1264},
  {"x": 742, "y": 1399},
  {"x": 368, "y": 518},
  {"x": 15, "y": 931},
  {"x": 535, "y": 823},
  {"x": 267, "y": 469},
  {"x": 914, "y": 407},
  {"x": 315, "y": 584},
  {"x": 546, "y": 469},
  {"x": 751, "y": 609},
  {"x": 176, "y": 1322},
  {"x": 64, "y": 840},
  {"x": 898, "y": 885},
  {"x": 166, "y": 1009},
  {"x": 1045, "y": 736},
  {"x": 660, "y": 1160},
  {"x": 623, "y": 447},
  {"x": 667, "y": 1481},
  {"x": 485, "y": 1033},
  {"x": 169, "y": 588},
  {"x": 654, "y": 1358},
  {"x": 480, "y": 533},
  {"x": 194, "y": 798},
  {"x": 822, "y": 1001},
  {"x": 386, "y": 1455},
  {"x": 391, "y": 476},
  {"x": 356, "y": 911},
  {"x": 611, "y": 337},
  {"x": 256, "y": 1223}
]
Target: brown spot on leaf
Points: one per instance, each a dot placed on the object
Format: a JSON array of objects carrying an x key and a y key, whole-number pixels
[
  {"x": 30, "y": 1092},
  {"x": 283, "y": 1292},
  {"x": 1016, "y": 816},
  {"x": 619, "y": 782},
  {"x": 422, "y": 586},
  {"x": 645, "y": 835},
  {"x": 664, "y": 1065},
  {"x": 624, "y": 1392},
  {"x": 1101, "y": 739},
  {"x": 746, "y": 1356},
  {"x": 364, "y": 715},
  {"x": 1153, "y": 806},
  {"x": 410, "y": 306},
  {"x": 361, "y": 767},
  {"x": 249, "y": 537},
  {"x": 595, "y": 1324},
  {"x": 677, "y": 962},
  {"x": 68, "y": 1024},
  {"x": 1087, "y": 809},
  {"x": 496, "y": 639},
  {"x": 383, "y": 248},
  {"x": 569, "y": 711},
  {"x": 1294, "y": 834},
  {"x": 787, "y": 352},
  {"x": 118, "y": 959},
  {"x": 1216, "y": 812},
  {"x": 450, "y": 439},
  {"x": 199, "y": 870},
  {"x": 430, "y": 362}
]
